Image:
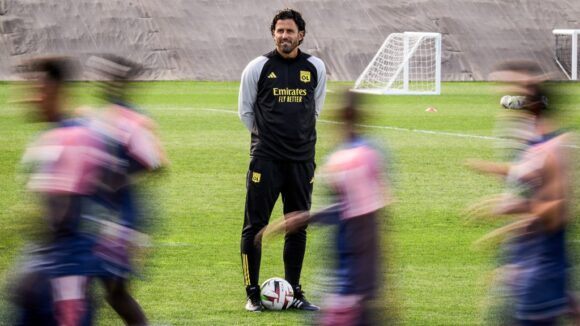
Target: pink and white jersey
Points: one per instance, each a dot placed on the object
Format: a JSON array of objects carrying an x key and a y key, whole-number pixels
[
  {"x": 66, "y": 160},
  {"x": 526, "y": 177},
  {"x": 134, "y": 131},
  {"x": 356, "y": 176}
]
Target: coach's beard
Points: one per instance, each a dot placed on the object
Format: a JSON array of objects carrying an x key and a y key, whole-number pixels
[{"x": 287, "y": 46}]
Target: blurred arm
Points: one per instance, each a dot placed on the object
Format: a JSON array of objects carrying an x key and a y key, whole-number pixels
[
  {"x": 291, "y": 222},
  {"x": 145, "y": 149},
  {"x": 328, "y": 215},
  {"x": 552, "y": 206},
  {"x": 501, "y": 169},
  {"x": 286, "y": 224}
]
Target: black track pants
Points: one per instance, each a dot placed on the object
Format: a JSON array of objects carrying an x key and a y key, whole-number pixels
[{"x": 266, "y": 180}]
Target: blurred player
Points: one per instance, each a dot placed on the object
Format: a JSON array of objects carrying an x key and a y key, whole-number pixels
[
  {"x": 355, "y": 175},
  {"x": 130, "y": 138},
  {"x": 65, "y": 163},
  {"x": 536, "y": 268},
  {"x": 281, "y": 96}
]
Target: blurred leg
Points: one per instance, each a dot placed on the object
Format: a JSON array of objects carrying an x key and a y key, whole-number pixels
[
  {"x": 69, "y": 295},
  {"x": 123, "y": 303}
]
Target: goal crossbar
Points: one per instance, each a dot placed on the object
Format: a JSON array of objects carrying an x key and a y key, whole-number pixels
[{"x": 405, "y": 61}]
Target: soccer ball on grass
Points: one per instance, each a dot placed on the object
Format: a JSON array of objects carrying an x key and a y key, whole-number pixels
[{"x": 276, "y": 294}]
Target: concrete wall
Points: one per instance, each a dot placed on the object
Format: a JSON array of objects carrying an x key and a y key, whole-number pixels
[{"x": 214, "y": 39}]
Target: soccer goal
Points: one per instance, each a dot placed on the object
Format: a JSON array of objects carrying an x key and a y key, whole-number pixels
[
  {"x": 406, "y": 64},
  {"x": 566, "y": 51}
]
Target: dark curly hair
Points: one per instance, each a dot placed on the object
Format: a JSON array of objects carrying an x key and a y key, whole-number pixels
[
  {"x": 289, "y": 14},
  {"x": 56, "y": 69}
]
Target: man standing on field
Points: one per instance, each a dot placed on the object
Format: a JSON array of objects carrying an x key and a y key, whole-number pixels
[{"x": 281, "y": 96}]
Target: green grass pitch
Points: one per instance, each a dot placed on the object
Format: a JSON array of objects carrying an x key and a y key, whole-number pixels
[{"x": 193, "y": 275}]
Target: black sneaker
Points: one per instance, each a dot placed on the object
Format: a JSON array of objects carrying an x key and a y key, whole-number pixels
[
  {"x": 254, "y": 303},
  {"x": 300, "y": 301}
]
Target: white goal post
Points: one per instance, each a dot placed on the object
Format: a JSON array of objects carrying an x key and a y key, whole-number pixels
[
  {"x": 407, "y": 63},
  {"x": 566, "y": 51}
]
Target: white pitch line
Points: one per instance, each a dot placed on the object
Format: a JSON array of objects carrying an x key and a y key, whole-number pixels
[
  {"x": 173, "y": 244},
  {"x": 215, "y": 110},
  {"x": 418, "y": 131}
]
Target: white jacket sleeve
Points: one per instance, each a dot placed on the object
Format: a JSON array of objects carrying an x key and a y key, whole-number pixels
[
  {"x": 320, "y": 92},
  {"x": 249, "y": 91}
]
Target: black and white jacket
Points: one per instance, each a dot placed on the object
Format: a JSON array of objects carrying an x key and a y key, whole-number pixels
[{"x": 279, "y": 102}]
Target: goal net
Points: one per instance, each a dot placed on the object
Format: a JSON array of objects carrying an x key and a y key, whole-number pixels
[
  {"x": 566, "y": 51},
  {"x": 406, "y": 64}
]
